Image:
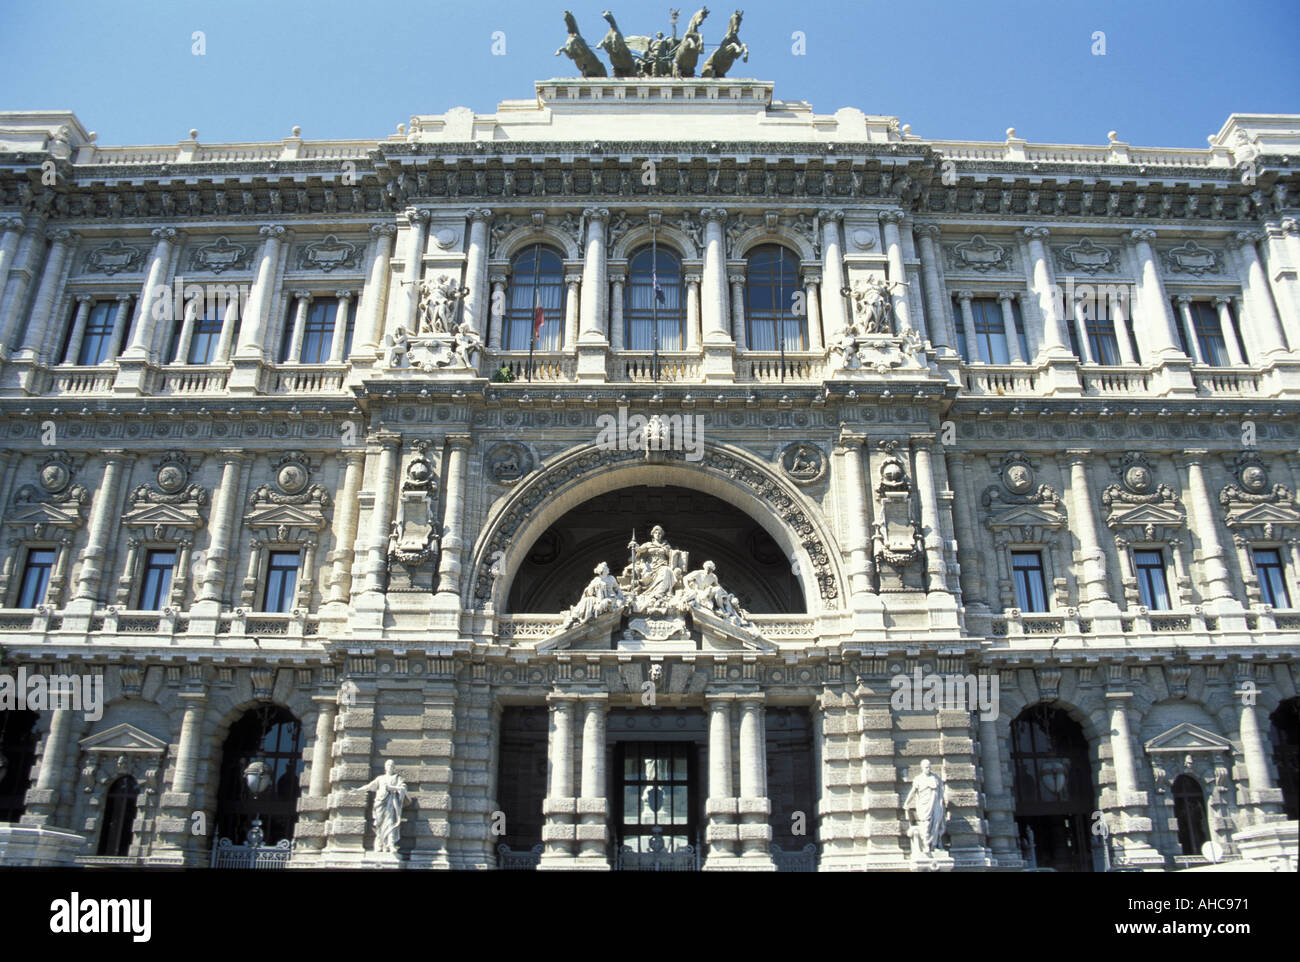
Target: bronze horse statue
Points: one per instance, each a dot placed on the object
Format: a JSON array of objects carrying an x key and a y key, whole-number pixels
[
  {"x": 616, "y": 47},
  {"x": 688, "y": 51},
  {"x": 720, "y": 60},
  {"x": 577, "y": 50}
]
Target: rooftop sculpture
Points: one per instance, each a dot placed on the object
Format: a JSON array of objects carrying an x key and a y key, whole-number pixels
[{"x": 657, "y": 56}]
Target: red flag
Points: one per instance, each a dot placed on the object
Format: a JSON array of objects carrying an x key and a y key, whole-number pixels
[{"x": 539, "y": 316}]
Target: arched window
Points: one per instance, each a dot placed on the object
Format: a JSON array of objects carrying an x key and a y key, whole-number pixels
[
  {"x": 536, "y": 281},
  {"x": 771, "y": 283},
  {"x": 17, "y": 753},
  {"x": 646, "y": 303},
  {"x": 270, "y": 734},
  {"x": 1285, "y": 730},
  {"x": 1053, "y": 785},
  {"x": 119, "y": 816},
  {"x": 1189, "y": 809}
]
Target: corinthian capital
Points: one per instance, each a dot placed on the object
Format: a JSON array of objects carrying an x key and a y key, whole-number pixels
[
  {"x": 1143, "y": 234},
  {"x": 1037, "y": 233},
  {"x": 384, "y": 230},
  {"x": 711, "y": 214},
  {"x": 167, "y": 234},
  {"x": 889, "y": 216},
  {"x": 271, "y": 231},
  {"x": 831, "y": 216},
  {"x": 480, "y": 215},
  {"x": 1248, "y": 238},
  {"x": 927, "y": 230},
  {"x": 600, "y": 214}
]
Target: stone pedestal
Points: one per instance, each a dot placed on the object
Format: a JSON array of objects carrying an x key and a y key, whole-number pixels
[{"x": 39, "y": 846}]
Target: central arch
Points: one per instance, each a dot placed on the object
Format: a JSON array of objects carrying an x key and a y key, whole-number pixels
[{"x": 725, "y": 472}]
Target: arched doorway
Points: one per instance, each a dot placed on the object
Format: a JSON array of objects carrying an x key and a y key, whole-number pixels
[
  {"x": 270, "y": 734},
  {"x": 1285, "y": 729},
  {"x": 1189, "y": 810},
  {"x": 558, "y": 564},
  {"x": 17, "y": 753},
  {"x": 119, "y": 817},
  {"x": 1053, "y": 785}
]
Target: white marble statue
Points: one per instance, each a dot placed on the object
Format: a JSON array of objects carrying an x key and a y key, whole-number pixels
[
  {"x": 926, "y": 803},
  {"x": 390, "y": 797},
  {"x": 437, "y": 305},
  {"x": 601, "y": 596}
]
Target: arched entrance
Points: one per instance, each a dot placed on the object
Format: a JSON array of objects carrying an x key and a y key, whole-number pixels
[
  {"x": 557, "y": 566},
  {"x": 1285, "y": 729},
  {"x": 752, "y": 487},
  {"x": 1053, "y": 785},
  {"x": 272, "y": 735},
  {"x": 17, "y": 753},
  {"x": 1189, "y": 810},
  {"x": 119, "y": 817}
]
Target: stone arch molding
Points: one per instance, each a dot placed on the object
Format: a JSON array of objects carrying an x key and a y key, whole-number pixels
[
  {"x": 724, "y": 471},
  {"x": 667, "y": 235},
  {"x": 526, "y": 236}
]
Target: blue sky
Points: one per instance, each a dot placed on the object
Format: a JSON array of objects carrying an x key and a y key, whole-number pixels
[{"x": 1172, "y": 72}]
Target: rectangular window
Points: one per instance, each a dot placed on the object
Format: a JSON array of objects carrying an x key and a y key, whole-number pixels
[
  {"x": 206, "y": 336},
  {"x": 97, "y": 339},
  {"x": 1101, "y": 338},
  {"x": 281, "y": 579},
  {"x": 1272, "y": 578},
  {"x": 1153, "y": 588},
  {"x": 1030, "y": 585},
  {"x": 317, "y": 333},
  {"x": 1209, "y": 333},
  {"x": 990, "y": 330},
  {"x": 36, "y": 577},
  {"x": 157, "y": 580}
]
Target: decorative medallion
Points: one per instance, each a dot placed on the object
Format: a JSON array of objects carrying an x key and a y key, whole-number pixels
[
  {"x": 219, "y": 256},
  {"x": 803, "y": 463},
  {"x": 508, "y": 462},
  {"x": 1087, "y": 257},
  {"x": 114, "y": 258},
  {"x": 327, "y": 255},
  {"x": 978, "y": 254},
  {"x": 1192, "y": 258}
]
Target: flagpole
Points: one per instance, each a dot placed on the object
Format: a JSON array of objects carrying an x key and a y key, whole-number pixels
[
  {"x": 780, "y": 334},
  {"x": 654, "y": 298},
  {"x": 537, "y": 300}
]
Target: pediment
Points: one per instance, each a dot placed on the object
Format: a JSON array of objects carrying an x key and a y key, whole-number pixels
[
  {"x": 1022, "y": 515},
  {"x": 1145, "y": 514},
  {"x": 722, "y": 635},
  {"x": 1272, "y": 513},
  {"x": 1188, "y": 738},
  {"x": 593, "y": 634},
  {"x": 175, "y": 515},
  {"x": 124, "y": 738},
  {"x": 284, "y": 515},
  {"x": 45, "y": 513}
]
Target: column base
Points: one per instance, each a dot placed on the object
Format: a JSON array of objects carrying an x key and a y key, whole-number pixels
[
  {"x": 245, "y": 376},
  {"x": 592, "y": 362},
  {"x": 45, "y": 846},
  {"x": 718, "y": 365},
  {"x": 132, "y": 376}
]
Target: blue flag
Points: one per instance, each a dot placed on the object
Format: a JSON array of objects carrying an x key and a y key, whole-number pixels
[{"x": 659, "y": 291}]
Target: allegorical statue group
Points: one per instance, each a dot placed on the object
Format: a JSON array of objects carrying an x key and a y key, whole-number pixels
[
  {"x": 656, "y": 56},
  {"x": 657, "y": 581}
]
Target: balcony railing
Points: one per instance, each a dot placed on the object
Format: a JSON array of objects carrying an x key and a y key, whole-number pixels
[
  {"x": 998, "y": 379},
  {"x": 306, "y": 379},
  {"x": 772, "y": 368},
  {"x": 640, "y": 366},
  {"x": 1109, "y": 381},
  {"x": 552, "y": 366},
  {"x": 194, "y": 379},
  {"x": 96, "y": 379},
  {"x": 1226, "y": 382}
]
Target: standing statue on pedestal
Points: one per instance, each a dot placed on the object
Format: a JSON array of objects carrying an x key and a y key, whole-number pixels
[
  {"x": 926, "y": 804},
  {"x": 390, "y": 796}
]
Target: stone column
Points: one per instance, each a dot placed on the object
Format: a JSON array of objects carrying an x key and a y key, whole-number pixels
[
  {"x": 417, "y": 234},
  {"x": 713, "y": 287},
  {"x": 1160, "y": 324},
  {"x": 928, "y": 248},
  {"x": 105, "y": 516},
  {"x": 592, "y": 816},
  {"x": 340, "y": 326},
  {"x": 371, "y": 311},
  {"x": 1121, "y": 744},
  {"x": 229, "y": 320},
  {"x": 84, "y": 303},
  {"x": 967, "y": 300},
  {"x": 1289, "y": 231},
  {"x": 187, "y": 752},
  {"x": 964, "y": 512},
  {"x": 1223, "y": 305},
  {"x": 1081, "y": 327},
  {"x": 692, "y": 311},
  {"x": 720, "y": 806},
  {"x": 346, "y": 519},
  {"x": 812, "y": 309},
  {"x": 253, "y": 331},
  {"x": 11, "y": 307},
  {"x": 225, "y": 504},
  {"x": 855, "y": 500},
  {"x": 121, "y": 321},
  {"x": 1044, "y": 286},
  {"x": 192, "y": 310},
  {"x": 449, "y": 564},
  {"x": 381, "y": 515},
  {"x": 618, "y": 280},
  {"x": 11, "y": 230},
  {"x": 1252, "y": 744},
  {"x": 1131, "y": 837},
  {"x": 594, "y": 284},
  {"x": 891, "y": 221},
  {"x": 46, "y": 295},
  {"x": 737, "y": 282},
  {"x": 1261, "y": 312},
  {"x": 753, "y": 805},
  {"x": 473, "y": 311},
  {"x": 1189, "y": 326},
  {"x": 560, "y": 806},
  {"x": 1009, "y": 323},
  {"x": 1217, "y": 583},
  {"x": 834, "y": 316},
  {"x": 999, "y": 804},
  {"x": 154, "y": 284},
  {"x": 53, "y": 756},
  {"x": 931, "y": 532},
  {"x": 1119, "y": 318},
  {"x": 1092, "y": 571},
  {"x": 302, "y": 302},
  {"x": 571, "y": 302},
  {"x": 322, "y": 748},
  {"x": 497, "y": 337}
]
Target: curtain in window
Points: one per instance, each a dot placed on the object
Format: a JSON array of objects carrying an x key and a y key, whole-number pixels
[
  {"x": 641, "y": 308},
  {"x": 536, "y": 276},
  {"x": 771, "y": 281}
]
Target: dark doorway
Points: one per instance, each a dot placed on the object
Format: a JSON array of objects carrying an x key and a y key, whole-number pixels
[
  {"x": 521, "y": 775},
  {"x": 658, "y": 796},
  {"x": 1189, "y": 810},
  {"x": 273, "y": 735},
  {"x": 1285, "y": 730},
  {"x": 559, "y": 563},
  {"x": 119, "y": 817},
  {"x": 791, "y": 777},
  {"x": 1053, "y": 785},
  {"x": 17, "y": 754}
]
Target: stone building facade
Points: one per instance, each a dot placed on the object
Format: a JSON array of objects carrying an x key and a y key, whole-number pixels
[{"x": 289, "y": 467}]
